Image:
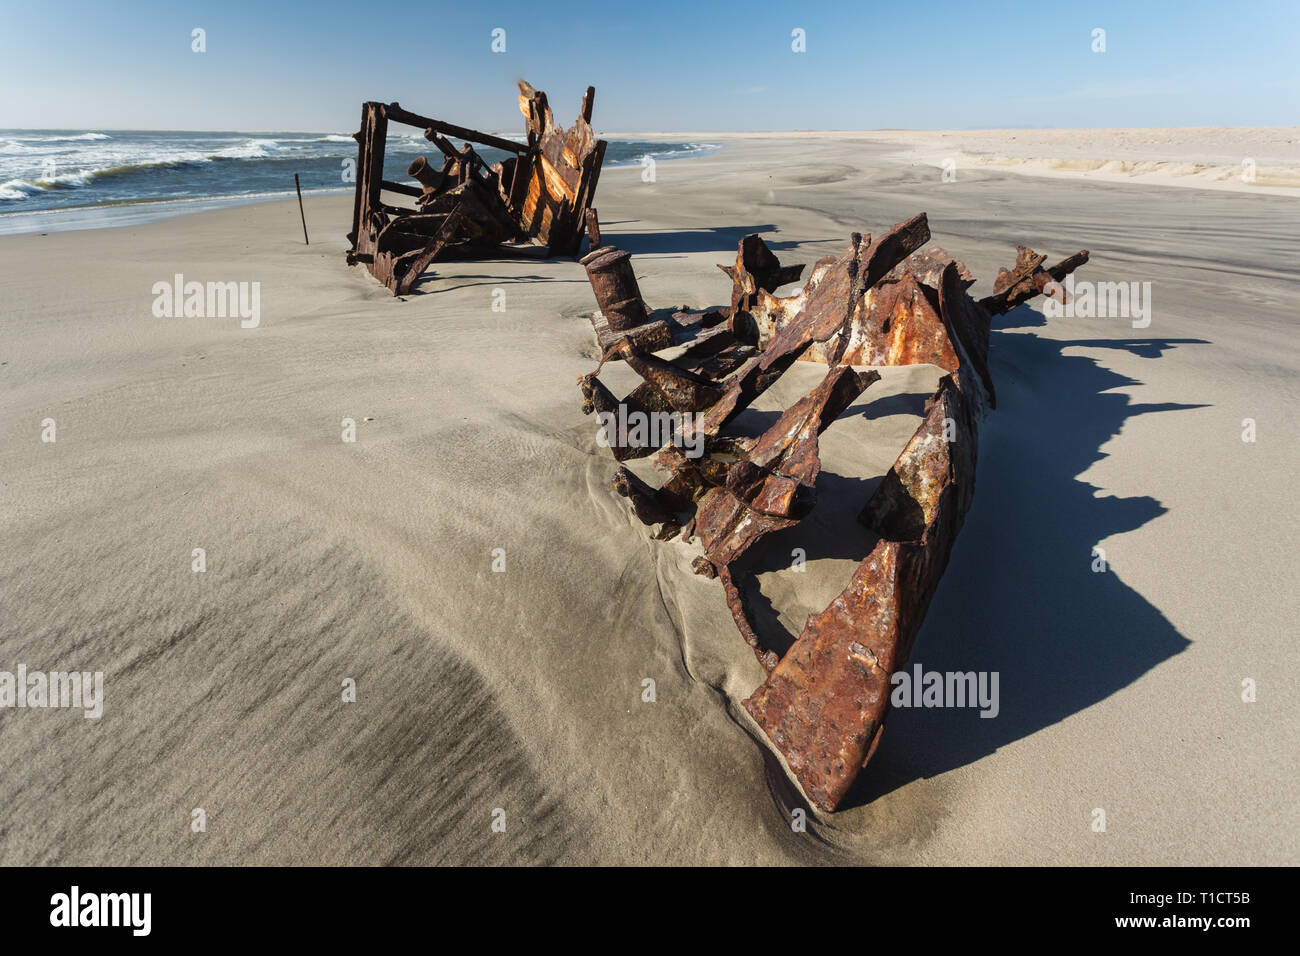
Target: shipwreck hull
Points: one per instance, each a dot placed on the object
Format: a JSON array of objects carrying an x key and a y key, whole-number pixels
[
  {"x": 888, "y": 302},
  {"x": 540, "y": 195}
]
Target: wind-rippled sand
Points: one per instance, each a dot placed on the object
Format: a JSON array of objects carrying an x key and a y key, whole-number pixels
[{"x": 522, "y": 690}]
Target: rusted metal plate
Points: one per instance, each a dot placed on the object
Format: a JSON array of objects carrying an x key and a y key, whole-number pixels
[
  {"x": 899, "y": 326},
  {"x": 561, "y": 183},
  {"x": 830, "y": 306},
  {"x": 757, "y": 272},
  {"x": 968, "y": 328},
  {"x": 926, "y": 265}
]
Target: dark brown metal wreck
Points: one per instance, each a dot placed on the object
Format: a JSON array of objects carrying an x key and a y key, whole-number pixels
[
  {"x": 883, "y": 302},
  {"x": 540, "y": 195}
]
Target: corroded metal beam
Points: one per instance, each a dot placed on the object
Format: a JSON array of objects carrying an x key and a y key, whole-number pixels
[{"x": 1027, "y": 279}]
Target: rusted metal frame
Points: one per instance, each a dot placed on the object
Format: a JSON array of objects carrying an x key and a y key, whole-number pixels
[
  {"x": 685, "y": 391},
  {"x": 612, "y": 277},
  {"x": 404, "y": 188},
  {"x": 1027, "y": 279},
  {"x": 670, "y": 387},
  {"x": 666, "y": 388},
  {"x": 769, "y": 489},
  {"x": 435, "y": 245},
  {"x": 691, "y": 478},
  {"x": 714, "y": 353},
  {"x": 505, "y": 182},
  {"x": 371, "y": 139},
  {"x": 824, "y": 705},
  {"x": 398, "y": 115}
]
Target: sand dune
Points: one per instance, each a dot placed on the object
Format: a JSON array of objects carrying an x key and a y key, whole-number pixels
[{"x": 1264, "y": 160}]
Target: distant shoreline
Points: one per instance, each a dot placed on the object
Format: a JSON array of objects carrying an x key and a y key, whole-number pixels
[{"x": 1212, "y": 158}]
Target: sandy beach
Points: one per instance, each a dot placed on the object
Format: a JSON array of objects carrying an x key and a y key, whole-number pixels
[{"x": 522, "y": 689}]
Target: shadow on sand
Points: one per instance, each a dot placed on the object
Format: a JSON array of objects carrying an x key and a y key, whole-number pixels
[
  {"x": 1019, "y": 596},
  {"x": 437, "y": 287},
  {"x": 715, "y": 239}
]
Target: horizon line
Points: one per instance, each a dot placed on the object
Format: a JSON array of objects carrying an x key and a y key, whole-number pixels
[{"x": 661, "y": 132}]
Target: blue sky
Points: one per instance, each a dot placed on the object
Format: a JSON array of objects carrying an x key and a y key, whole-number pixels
[{"x": 664, "y": 65}]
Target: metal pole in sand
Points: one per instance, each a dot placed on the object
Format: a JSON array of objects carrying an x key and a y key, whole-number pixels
[{"x": 300, "y": 212}]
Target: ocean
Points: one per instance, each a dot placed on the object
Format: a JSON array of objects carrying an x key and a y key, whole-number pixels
[{"x": 76, "y": 179}]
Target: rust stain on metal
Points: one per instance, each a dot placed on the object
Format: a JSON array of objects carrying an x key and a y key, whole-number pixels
[{"x": 466, "y": 208}]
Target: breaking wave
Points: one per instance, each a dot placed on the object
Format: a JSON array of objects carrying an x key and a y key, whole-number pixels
[
  {"x": 18, "y": 189},
  {"x": 57, "y": 138}
]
